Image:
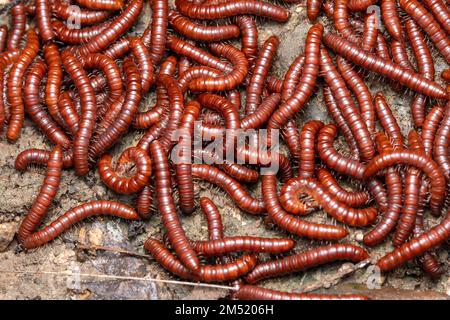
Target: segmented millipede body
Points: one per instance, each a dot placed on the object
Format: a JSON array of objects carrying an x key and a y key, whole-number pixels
[
  {"x": 183, "y": 65},
  {"x": 196, "y": 54},
  {"x": 418, "y": 160},
  {"x": 370, "y": 33},
  {"x": 18, "y": 25},
  {"x": 242, "y": 244},
  {"x": 360, "y": 5},
  {"x": 88, "y": 111},
  {"x": 427, "y": 22},
  {"x": 342, "y": 22},
  {"x": 125, "y": 185},
  {"x": 117, "y": 27},
  {"x": 411, "y": 199},
  {"x": 43, "y": 18},
  {"x": 223, "y": 106},
  {"x": 196, "y": 73},
  {"x": 430, "y": 126},
  {"x": 382, "y": 48},
  {"x": 391, "y": 214},
  {"x": 446, "y": 75},
  {"x": 39, "y": 157},
  {"x": 77, "y": 36},
  {"x": 440, "y": 12},
  {"x": 183, "y": 167},
  {"x": 388, "y": 121},
  {"x": 350, "y": 198},
  {"x": 290, "y": 201},
  {"x": 425, "y": 65},
  {"x": 45, "y": 197},
  {"x": 160, "y": 14},
  {"x": 77, "y": 214},
  {"x": 102, "y": 4},
  {"x": 229, "y": 9},
  {"x": 153, "y": 133},
  {"x": 360, "y": 90},
  {"x": 292, "y": 224},
  {"x": 234, "y": 189},
  {"x": 200, "y": 32},
  {"x": 391, "y": 19},
  {"x": 442, "y": 142},
  {"x": 292, "y": 76},
  {"x": 129, "y": 108},
  {"x": 313, "y": 8},
  {"x": 3, "y": 37},
  {"x": 344, "y": 128},
  {"x": 249, "y": 36},
  {"x": 176, "y": 107},
  {"x": 6, "y": 59},
  {"x": 400, "y": 55},
  {"x": 68, "y": 113},
  {"x": 167, "y": 209},
  {"x": 228, "y": 81},
  {"x": 141, "y": 54},
  {"x": 307, "y": 148},
  {"x": 144, "y": 202},
  {"x": 35, "y": 109},
  {"x": 340, "y": 211},
  {"x": 291, "y": 136},
  {"x": 15, "y": 85},
  {"x": 54, "y": 80},
  {"x": 386, "y": 68},
  {"x": 257, "y": 119},
  {"x": 262, "y": 66},
  {"x": 66, "y": 12},
  {"x": 213, "y": 217},
  {"x": 346, "y": 105},
  {"x": 305, "y": 260},
  {"x": 209, "y": 273},
  {"x": 249, "y": 292},
  {"x": 146, "y": 119},
  {"x": 307, "y": 81},
  {"x": 417, "y": 246}
]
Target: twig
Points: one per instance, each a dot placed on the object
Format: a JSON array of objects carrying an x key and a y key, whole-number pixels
[{"x": 115, "y": 277}]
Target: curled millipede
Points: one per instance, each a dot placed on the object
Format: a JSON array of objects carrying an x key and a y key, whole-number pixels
[
  {"x": 306, "y": 260},
  {"x": 292, "y": 224},
  {"x": 350, "y": 198},
  {"x": 167, "y": 209},
  {"x": 248, "y": 292},
  {"x": 415, "y": 159},
  {"x": 124, "y": 185},
  {"x": 386, "y": 68},
  {"x": 39, "y": 157},
  {"x": 15, "y": 86},
  {"x": 242, "y": 244}
]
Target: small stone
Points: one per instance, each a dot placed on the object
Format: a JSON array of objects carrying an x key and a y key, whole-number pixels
[{"x": 7, "y": 232}]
